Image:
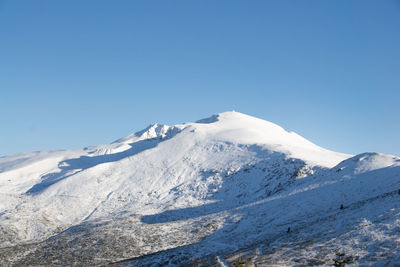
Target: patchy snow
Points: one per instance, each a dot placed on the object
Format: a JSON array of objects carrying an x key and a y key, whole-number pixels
[{"x": 227, "y": 183}]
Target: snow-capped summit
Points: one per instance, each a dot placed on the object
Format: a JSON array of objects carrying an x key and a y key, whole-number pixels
[
  {"x": 189, "y": 190},
  {"x": 237, "y": 127},
  {"x": 153, "y": 131}
]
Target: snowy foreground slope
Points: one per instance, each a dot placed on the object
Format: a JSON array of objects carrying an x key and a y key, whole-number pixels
[{"x": 227, "y": 189}]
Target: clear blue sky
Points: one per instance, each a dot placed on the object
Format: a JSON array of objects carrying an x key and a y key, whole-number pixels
[{"x": 79, "y": 73}]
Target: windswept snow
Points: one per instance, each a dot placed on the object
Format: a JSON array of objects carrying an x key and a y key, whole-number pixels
[{"x": 226, "y": 183}]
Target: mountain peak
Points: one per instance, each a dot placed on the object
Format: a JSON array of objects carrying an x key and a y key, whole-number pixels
[
  {"x": 238, "y": 128},
  {"x": 191, "y": 189},
  {"x": 229, "y": 116}
]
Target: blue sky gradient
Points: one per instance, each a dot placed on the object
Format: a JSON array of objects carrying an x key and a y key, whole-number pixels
[{"x": 79, "y": 73}]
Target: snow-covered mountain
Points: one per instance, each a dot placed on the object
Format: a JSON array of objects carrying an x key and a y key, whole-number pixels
[{"x": 227, "y": 188}]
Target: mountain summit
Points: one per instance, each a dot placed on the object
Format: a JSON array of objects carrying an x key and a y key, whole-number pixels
[{"x": 224, "y": 185}]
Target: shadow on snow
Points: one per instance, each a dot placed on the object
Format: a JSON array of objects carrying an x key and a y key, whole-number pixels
[
  {"x": 315, "y": 214},
  {"x": 72, "y": 166}
]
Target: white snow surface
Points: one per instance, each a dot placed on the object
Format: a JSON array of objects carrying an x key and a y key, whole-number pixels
[{"x": 240, "y": 174}]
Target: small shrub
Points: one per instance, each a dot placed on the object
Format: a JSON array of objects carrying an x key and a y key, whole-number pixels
[{"x": 342, "y": 259}]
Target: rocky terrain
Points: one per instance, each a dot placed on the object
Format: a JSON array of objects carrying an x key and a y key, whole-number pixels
[{"x": 227, "y": 190}]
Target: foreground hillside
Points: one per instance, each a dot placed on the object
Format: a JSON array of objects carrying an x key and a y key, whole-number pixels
[{"x": 225, "y": 189}]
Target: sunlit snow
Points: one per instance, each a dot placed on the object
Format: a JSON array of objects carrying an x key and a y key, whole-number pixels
[{"x": 207, "y": 191}]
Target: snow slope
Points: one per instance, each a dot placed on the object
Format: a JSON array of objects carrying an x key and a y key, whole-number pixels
[{"x": 179, "y": 192}]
